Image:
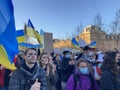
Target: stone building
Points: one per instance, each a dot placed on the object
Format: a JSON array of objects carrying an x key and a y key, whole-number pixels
[
  {"x": 91, "y": 33},
  {"x": 104, "y": 41}
]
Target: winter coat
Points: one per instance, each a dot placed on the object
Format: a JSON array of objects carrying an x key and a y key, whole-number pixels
[
  {"x": 109, "y": 81},
  {"x": 51, "y": 80},
  {"x": 84, "y": 82},
  {"x": 23, "y": 78},
  {"x": 66, "y": 69}
]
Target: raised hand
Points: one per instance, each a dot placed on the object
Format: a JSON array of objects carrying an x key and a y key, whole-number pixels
[{"x": 36, "y": 85}]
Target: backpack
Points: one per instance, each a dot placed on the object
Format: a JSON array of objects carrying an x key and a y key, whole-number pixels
[{"x": 76, "y": 79}]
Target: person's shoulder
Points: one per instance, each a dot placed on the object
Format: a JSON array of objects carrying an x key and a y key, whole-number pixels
[
  {"x": 41, "y": 71},
  {"x": 17, "y": 73},
  {"x": 107, "y": 74}
]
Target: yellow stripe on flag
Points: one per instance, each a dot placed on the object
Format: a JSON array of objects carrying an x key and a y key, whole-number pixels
[
  {"x": 21, "y": 39},
  {"x": 4, "y": 59},
  {"x": 32, "y": 33}
]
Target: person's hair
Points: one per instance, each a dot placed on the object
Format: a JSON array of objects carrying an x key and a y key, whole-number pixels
[
  {"x": 96, "y": 56},
  {"x": 64, "y": 52},
  {"x": 109, "y": 62},
  {"x": 86, "y": 48},
  {"x": 83, "y": 60},
  {"x": 29, "y": 49}
]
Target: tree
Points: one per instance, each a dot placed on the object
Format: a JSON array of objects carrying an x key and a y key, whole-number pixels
[
  {"x": 115, "y": 26},
  {"x": 78, "y": 30},
  {"x": 98, "y": 21}
]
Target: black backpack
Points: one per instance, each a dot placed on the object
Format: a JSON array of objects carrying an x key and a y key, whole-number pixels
[{"x": 76, "y": 79}]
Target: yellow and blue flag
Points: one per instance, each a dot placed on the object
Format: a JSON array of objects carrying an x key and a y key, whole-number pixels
[
  {"x": 20, "y": 36},
  {"x": 32, "y": 33},
  {"x": 8, "y": 41},
  {"x": 30, "y": 24},
  {"x": 93, "y": 44},
  {"x": 32, "y": 37},
  {"x": 42, "y": 37},
  {"x": 75, "y": 44}
]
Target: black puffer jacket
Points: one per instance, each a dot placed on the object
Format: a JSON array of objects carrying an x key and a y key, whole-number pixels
[{"x": 23, "y": 78}]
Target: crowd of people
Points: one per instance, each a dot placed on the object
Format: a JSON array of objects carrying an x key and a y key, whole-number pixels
[{"x": 87, "y": 70}]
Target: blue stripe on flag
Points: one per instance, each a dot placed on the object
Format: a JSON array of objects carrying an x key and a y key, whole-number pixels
[
  {"x": 74, "y": 42},
  {"x": 7, "y": 29},
  {"x": 30, "y": 24},
  {"x": 20, "y": 33},
  {"x": 30, "y": 45}
]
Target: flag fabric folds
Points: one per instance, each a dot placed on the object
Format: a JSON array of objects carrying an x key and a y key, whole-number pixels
[
  {"x": 93, "y": 44},
  {"x": 75, "y": 44},
  {"x": 27, "y": 45},
  {"x": 42, "y": 37},
  {"x": 32, "y": 36},
  {"x": 20, "y": 36},
  {"x": 30, "y": 24},
  {"x": 8, "y": 41}
]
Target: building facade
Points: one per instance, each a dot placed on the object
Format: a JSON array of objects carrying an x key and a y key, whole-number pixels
[
  {"x": 104, "y": 41},
  {"x": 91, "y": 33}
]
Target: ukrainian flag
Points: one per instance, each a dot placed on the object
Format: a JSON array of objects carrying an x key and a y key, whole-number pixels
[
  {"x": 32, "y": 33},
  {"x": 93, "y": 44},
  {"x": 8, "y": 41},
  {"x": 20, "y": 36},
  {"x": 75, "y": 44},
  {"x": 42, "y": 37},
  {"x": 32, "y": 37}
]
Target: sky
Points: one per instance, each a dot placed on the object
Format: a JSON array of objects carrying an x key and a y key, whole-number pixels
[{"x": 62, "y": 17}]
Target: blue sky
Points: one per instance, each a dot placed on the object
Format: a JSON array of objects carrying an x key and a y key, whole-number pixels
[{"x": 62, "y": 16}]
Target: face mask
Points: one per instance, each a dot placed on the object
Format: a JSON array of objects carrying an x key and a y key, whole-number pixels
[
  {"x": 67, "y": 56},
  {"x": 100, "y": 65},
  {"x": 84, "y": 70}
]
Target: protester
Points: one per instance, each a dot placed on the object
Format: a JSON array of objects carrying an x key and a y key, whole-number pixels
[
  {"x": 82, "y": 79},
  {"x": 110, "y": 79},
  {"x": 29, "y": 76},
  {"x": 87, "y": 54},
  {"x": 57, "y": 62},
  {"x": 67, "y": 68},
  {"x": 45, "y": 61}
]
